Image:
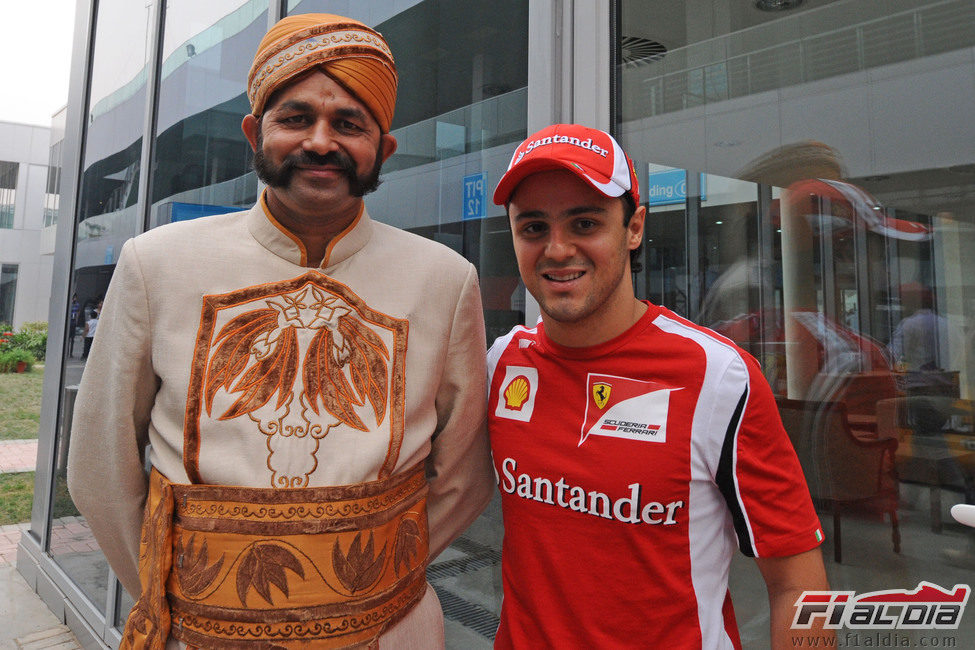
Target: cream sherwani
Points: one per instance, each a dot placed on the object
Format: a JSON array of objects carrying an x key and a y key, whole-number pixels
[{"x": 217, "y": 346}]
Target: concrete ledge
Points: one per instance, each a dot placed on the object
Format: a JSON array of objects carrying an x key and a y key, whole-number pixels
[
  {"x": 87, "y": 637},
  {"x": 42, "y": 574}
]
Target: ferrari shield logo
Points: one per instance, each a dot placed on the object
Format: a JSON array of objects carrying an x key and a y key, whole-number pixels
[{"x": 600, "y": 393}]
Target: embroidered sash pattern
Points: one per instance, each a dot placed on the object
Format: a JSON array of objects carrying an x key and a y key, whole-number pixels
[{"x": 261, "y": 567}]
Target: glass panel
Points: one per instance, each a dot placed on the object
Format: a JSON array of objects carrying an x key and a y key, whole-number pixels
[
  {"x": 461, "y": 109},
  {"x": 202, "y": 163},
  {"x": 8, "y": 293},
  {"x": 122, "y": 608},
  {"x": 458, "y": 91},
  {"x": 52, "y": 193},
  {"x": 8, "y": 192},
  {"x": 108, "y": 215},
  {"x": 460, "y": 112},
  {"x": 827, "y": 228}
]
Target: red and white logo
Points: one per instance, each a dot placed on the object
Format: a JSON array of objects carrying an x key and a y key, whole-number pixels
[
  {"x": 929, "y": 607},
  {"x": 516, "y": 396},
  {"x": 620, "y": 407}
]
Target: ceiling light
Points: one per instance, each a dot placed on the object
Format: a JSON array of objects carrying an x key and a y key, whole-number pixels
[
  {"x": 777, "y": 5},
  {"x": 636, "y": 50}
]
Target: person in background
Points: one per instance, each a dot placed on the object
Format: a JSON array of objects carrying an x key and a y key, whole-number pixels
[
  {"x": 88, "y": 333},
  {"x": 633, "y": 449},
  {"x": 306, "y": 384},
  {"x": 73, "y": 326}
]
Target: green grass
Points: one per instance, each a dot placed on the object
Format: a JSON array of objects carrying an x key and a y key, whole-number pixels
[
  {"x": 20, "y": 404},
  {"x": 16, "y": 497},
  {"x": 20, "y": 413}
]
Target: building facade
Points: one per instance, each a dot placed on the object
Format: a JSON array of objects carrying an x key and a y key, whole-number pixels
[
  {"x": 809, "y": 172},
  {"x": 26, "y": 235}
]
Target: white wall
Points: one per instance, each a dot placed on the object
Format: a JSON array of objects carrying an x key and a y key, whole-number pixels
[{"x": 29, "y": 146}]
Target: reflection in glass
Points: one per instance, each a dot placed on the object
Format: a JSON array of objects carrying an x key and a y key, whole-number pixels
[
  {"x": 125, "y": 605},
  {"x": 201, "y": 162},
  {"x": 8, "y": 192},
  {"x": 8, "y": 292},
  {"x": 843, "y": 260},
  {"x": 107, "y": 216},
  {"x": 52, "y": 193},
  {"x": 460, "y": 112},
  {"x": 459, "y": 92},
  {"x": 461, "y": 109}
]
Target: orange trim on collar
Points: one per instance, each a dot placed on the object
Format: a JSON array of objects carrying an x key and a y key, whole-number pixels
[
  {"x": 336, "y": 238},
  {"x": 288, "y": 233}
]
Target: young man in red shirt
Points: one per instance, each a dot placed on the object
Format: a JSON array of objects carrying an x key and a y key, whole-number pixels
[{"x": 633, "y": 448}]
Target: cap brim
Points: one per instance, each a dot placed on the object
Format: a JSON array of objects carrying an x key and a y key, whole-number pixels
[{"x": 510, "y": 181}]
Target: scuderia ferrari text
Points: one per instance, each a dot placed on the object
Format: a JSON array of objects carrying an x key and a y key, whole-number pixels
[{"x": 629, "y": 509}]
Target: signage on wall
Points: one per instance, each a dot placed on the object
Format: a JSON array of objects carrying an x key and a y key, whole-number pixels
[
  {"x": 669, "y": 187},
  {"x": 188, "y": 211},
  {"x": 475, "y": 186}
]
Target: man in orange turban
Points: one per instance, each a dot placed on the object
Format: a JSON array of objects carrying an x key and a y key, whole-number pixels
[{"x": 307, "y": 385}]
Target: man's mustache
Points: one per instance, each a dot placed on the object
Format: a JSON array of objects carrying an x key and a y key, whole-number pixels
[{"x": 330, "y": 159}]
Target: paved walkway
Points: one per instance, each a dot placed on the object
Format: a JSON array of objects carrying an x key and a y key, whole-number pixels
[
  {"x": 17, "y": 456},
  {"x": 27, "y": 622},
  {"x": 9, "y": 538}
]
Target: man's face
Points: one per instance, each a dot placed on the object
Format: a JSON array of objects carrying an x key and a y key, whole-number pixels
[
  {"x": 317, "y": 147},
  {"x": 572, "y": 248}
]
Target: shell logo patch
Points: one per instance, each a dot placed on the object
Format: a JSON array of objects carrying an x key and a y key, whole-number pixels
[
  {"x": 632, "y": 409},
  {"x": 516, "y": 395},
  {"x": 517, "y": 392}
]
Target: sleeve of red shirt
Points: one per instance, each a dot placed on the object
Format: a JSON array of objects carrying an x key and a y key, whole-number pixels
[{"x": 772, "y": 510}]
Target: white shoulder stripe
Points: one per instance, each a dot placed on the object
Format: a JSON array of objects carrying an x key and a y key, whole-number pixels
[
  {"x": 710, "y": 540},
  {"x": 497, "y": 349}
]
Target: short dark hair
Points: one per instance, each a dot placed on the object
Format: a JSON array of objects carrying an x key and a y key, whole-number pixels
[{"x": 629, "y": 209}]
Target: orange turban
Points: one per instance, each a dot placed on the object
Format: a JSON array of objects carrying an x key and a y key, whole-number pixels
[{"x": 350, "y": 52}]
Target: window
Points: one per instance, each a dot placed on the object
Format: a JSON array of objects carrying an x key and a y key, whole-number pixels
[
  {"x": 201, "y": 160},
  {"x": 8, "y": 192},
  {"x": 837, "y": 251},
  {"x": 8, "y": 292},
  {"x": 461, "y": 109},
  {"x": 52, "y": 193}
]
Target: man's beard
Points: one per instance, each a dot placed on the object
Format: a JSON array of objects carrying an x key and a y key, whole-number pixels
[{"x": 280, "y": 175}]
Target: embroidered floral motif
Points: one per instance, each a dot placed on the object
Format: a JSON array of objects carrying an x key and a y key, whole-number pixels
[
  {"x": 263, "y": 565},
  {"x": 357, "y": 569},
  {"x": 254, "y": 344},
  {"x": 191, "y": 568},
  {"x": 353, "y": 345},
  {"x": 407, "y": 545}
]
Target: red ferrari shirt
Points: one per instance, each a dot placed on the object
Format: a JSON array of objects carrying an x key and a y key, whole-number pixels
[{"x": 629, "y": 472}]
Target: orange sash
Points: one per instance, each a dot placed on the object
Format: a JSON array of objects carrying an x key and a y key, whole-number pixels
[{"x": 224, "y": 566}]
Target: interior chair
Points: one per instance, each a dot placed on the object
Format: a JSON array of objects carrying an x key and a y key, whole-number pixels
[
  {"x": 936, "y": 444},
  {"x": 860, "y": 394},
  {"x": 845, "y": 473}
]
